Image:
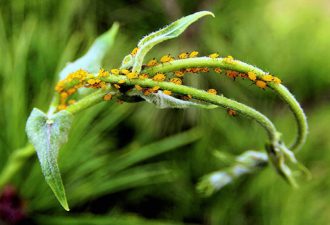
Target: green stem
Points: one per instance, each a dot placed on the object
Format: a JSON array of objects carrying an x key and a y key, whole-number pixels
[
  {"x": 15, "y": 162},
  {"x": 239, "y": 66}
]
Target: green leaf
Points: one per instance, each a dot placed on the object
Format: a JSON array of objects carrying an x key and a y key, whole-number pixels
[
  {"x": 171, "y": 31},
  {"x": 47, "y": 135},
  {"x": 92, "y": 60}
]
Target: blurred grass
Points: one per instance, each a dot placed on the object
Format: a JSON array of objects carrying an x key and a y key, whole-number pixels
[{"x": 128, "y": 164}]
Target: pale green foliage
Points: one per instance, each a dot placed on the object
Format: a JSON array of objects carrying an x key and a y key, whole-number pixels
[{"x": 48, "y": 134}]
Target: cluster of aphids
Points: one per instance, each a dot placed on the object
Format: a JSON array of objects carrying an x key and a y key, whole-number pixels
[{"x": 81, "y": 78}]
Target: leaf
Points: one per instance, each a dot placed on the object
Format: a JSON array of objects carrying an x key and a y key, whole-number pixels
[
  {"x": 171, "y": 31},
  {"x": 92, "y": 60},
  {"x": 163, "y": 101},
  {"x": 47, "y": 135}
]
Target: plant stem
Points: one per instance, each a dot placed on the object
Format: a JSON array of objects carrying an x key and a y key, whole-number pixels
[
  {"x": 15, "y": 162},
  {"x": 239, "y": 66}
]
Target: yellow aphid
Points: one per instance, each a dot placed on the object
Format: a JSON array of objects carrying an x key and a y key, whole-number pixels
[
  {"x": 91, "y": 81},
  {"x": 61, "y": 107},
  {"x": 159, "y": 77},
  {"x": 156, "y": 88},
  {"x": 114, "y": 71},
  {"x": 179, "y": 73},
  {"x": 152, "y": 62},
  {"x": 212, "y": 91},
  {"x": 64, "y": 95},
  {"x": 97, "y": 80},
  {"x": 193, "y": 54},
  {"x": 167, "y": 92},
  {"x": 138, "y": 87},
  {"x": 102, "y": 85},
  {"x": 107, "y": 97},
  {"x": 121, "y": 82},
  {"x": 124, "y": 71},
  {"x": 267, "y": 78},
  {"x": 166, "y": 58},
  {"x": 277, "y": 80},
  {"x": 261, "y": 84},
  {"x": 214, "y": 55},
  {"x": 229, "y": 59},
  {"x": 252, "y": 76},
  {"x": 143, "y": 76},
  {"x": 132, "y": 75},
  {"x": 217, "y": 70},
  {"x": 134, "y": 51},
  {"x": 103, "y": 73},
  {"x": 71, "y": 91},
  {"x": 176, "y": 80},
  {"x": 116, "y": 86},
  {"x": 72, "y": 101},
  {"x": 183, "y": 55}
]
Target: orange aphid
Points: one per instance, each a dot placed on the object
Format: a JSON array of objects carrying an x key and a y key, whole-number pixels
[
  {"x": 64, "y": 95},
  {"x": 143, "y": 76},
  {"x": 214, "y": 55},
  {"x": 231, "y": 112},
  {"x": 166, "y": 58},
  {"x": 134, "y": 51},
  {"x": 217, "y": 70},
  {"x": 61, "y": 107},
  {"x": 167, "y": 92},
  {"x": 159, "y": 77},
  {"x": 71, "y": 91},
  {"x": 138, "y": 87},
  {"x": 252, "y": 76},
  {"x": 186, "y": 97},
  {"x": 71, "y": 102},
  {"x": 232, "y": 74},
  {"x": 179, "y": 73},
  {"x": 212, "y": 91},
  {"x": 155, "y": 88},
  {"x": 204, "y": 70},
  {"x": 107, "y": 97},
  {"x": 152, "y": 62},
  {"x": 176, "y": 80},
  {"x": 261, "y": 84},
  {"x": 243, "y": 75},
  {"x": 183, "y": 55},
  {"x": 193, "y": 54},
  {"x": 116, "y": 86}
]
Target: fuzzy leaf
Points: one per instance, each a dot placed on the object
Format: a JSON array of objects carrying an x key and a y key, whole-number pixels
[
  {"x": 92, "y": 60},
  {"x": 163, "y": 101},
  {"x": 171, "y": 31},
  {"x": 47, "y": 135}
]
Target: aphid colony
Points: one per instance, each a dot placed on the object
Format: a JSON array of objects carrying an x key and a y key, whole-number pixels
[{"x": 81, "y": 78}]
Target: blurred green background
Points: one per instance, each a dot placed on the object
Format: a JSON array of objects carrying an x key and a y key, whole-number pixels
[{"x": 135, "y": 164}]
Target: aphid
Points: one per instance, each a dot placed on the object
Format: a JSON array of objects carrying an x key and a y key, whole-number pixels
[
  {"x": 212, "y": 91},
  {"x": 143, "y": 76},
  {"x": 159, "y": 77},
  {"x": 91, "y": 81},
  {"x": 124, "y": 71},
  {"x": 138, "y": 87},
  {"x": 121, "y": 82},
  {"x": 167, "y": 92},
  {"x": 204, "y": 70},
  {"x": 103, "y": 73},
  {"x": 252, "y": 76},
  {"x": 61, "y": 107},
  {"x": 231, "y": 112},
  {"x": 64, "y": 95},
  {"x": 277, "y": 80},
  {"x": 232, "y": 74},
  {"x": 243, "y": 75},
  {"x": 155, "y": 88},
  {"x": 214, "y": 55},
  {"x": 115, "y": 71},
  {"x": 176, "y": 80},
  {"x": 134, "y": 51},
  {"x": 267, "y": 77},
  {"x": 186, "y": 97},
  {"x": 193, "y": 54},
  {"x": 261, "y": 84},
  {"x": 183, "y": 55},
  {"x": 132, "y": 75},
  {"x": 152, "y": 62},
  {"x": 107, "y": 97},
  {"x": 179, "y": 73},
  {"x": 71, "y": 91},
  {"x": 116, "y": 86},
  {"x": 166, "y": 58},
  {"x": 72, "y": 101},
  {"x": 147, "y": 91},
  {"x": 217, "y": 70},
  {"x": 229, "y": 59}
]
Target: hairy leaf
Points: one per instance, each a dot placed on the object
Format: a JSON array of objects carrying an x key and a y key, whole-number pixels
[
  {"x": 47, "y": 135},
  {"x": 148, "y": 42}
]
